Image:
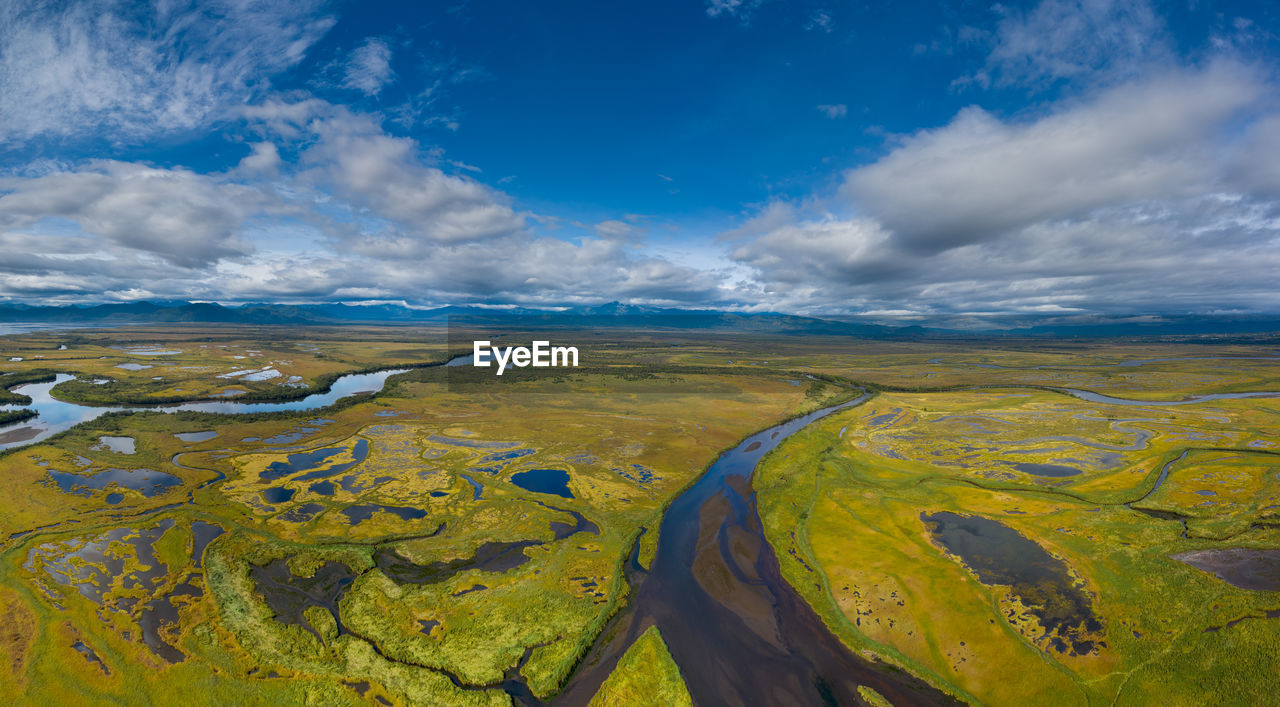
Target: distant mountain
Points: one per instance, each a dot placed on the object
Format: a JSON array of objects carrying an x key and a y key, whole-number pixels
[
  {"x": 1180, "y": 326},
  {"x": 613, "y": 315}
]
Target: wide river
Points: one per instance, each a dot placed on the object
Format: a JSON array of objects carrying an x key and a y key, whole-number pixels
[{"x": 740, "y": 634}]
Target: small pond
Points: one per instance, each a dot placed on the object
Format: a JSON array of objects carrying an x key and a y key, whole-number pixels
[{"x": 548, "y": 481}]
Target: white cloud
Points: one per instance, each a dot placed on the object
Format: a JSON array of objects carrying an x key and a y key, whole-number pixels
[
  {"x": 819, "y": 20},
  {"x": 1066, "y": 39},
  {"x": 979, "y": 176},
  {"x": 369, "y": 67},
  {"x": 263, "y": 159},
  {"x": 1155, "y": 195},
  {"x": 113, "y": 69},
  {"x": 361, "y": 213},
  {"x": 355, "y": 160},
  {"x": 838, "y": 110},
  {"x": 184, "y": 218},
  {"x": 715, "y": 8}
]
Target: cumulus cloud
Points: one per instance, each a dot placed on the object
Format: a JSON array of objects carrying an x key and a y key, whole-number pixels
[
  {"x": 184, "y": 218},
  {"x": 369, "y": 67},
  {"x": 979, "y": 176},
  {"x": 1156, "y": 195},
  {"x": 393, "y": 177},
  {"x": 263, "y": 159},
  {"x": 130, "y": 71},
  {"x": 354, "y": 212}
]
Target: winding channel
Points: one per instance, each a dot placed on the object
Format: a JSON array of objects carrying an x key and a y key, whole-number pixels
[{"x": 54, "y": 416}]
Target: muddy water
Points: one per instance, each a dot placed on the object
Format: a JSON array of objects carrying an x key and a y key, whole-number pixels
[
  {"x": 1244, "y": 567},
  {"x": 740, "y": 634}
]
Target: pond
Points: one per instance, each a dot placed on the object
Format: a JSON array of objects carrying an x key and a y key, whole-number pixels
[
  {"x": 1000, "y": 556},
  {"x": 149, "y": 483},
  {"x": 361, "y": 512},
  {"x": 289, "y": 595},
  {"x": 1045, "y": 470},
  {"x": 196, "y": 436},
  {"x": 549, "y": 481},
  {"x": 308, "y": 461},
  {"x": 119, "y": 445}
]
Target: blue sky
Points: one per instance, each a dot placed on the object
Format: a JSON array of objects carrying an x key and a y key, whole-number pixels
[{"x": 962, "y": 163}]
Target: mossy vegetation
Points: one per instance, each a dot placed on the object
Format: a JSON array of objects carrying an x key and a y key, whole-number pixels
[
  {"x": 1111, "y": 492},
  {"x": 646, "y": 675}
]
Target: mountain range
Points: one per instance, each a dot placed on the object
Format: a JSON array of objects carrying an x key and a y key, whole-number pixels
[{"x": 611, "y": 315}]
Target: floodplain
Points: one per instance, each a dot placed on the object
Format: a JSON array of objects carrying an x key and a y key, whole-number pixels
[{"x": 452, "y": 539}]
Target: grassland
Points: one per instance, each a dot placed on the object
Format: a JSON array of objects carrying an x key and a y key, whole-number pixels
[
  {"x": 845, "y": 502},
  {"x": 383, "y": 549}
]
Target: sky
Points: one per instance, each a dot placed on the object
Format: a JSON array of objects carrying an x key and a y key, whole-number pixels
[{"x": 969, "y": 164}]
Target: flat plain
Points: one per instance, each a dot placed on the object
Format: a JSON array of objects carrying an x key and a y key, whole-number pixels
[{"x": 454, "y": 540}]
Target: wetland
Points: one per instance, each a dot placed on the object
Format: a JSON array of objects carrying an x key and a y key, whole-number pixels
[{"x": 722, "y": 520}]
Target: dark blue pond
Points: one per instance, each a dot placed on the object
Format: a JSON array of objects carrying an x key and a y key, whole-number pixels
[
  {"x": 301, "y": 514},
  {"x": 324, "y": 488},
  {"x": 1047, "y": 470},
  {"x": 1001, "y": 556},
  {"x": 360, "y": 453},
  {"x": 360, "y": 513},
  {"x": 511, "y": 454},
  {"x": 303, "y": 461},
  {"x": 278, "y": 494},
  {"x": 549, "y": 481},
  {"x": 150, "y": 483},
  {"x": 476, "y": 488}
]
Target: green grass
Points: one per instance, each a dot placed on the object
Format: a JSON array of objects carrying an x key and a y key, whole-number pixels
[{"x": 646, "y": 675}]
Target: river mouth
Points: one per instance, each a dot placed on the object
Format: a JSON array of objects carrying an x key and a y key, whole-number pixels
[{"x": 740, "y": 634}]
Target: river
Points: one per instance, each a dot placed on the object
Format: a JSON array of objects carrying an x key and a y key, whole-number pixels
[
  {"x": 56, "y": 416},
  {"x": 740, "y": 634}
]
